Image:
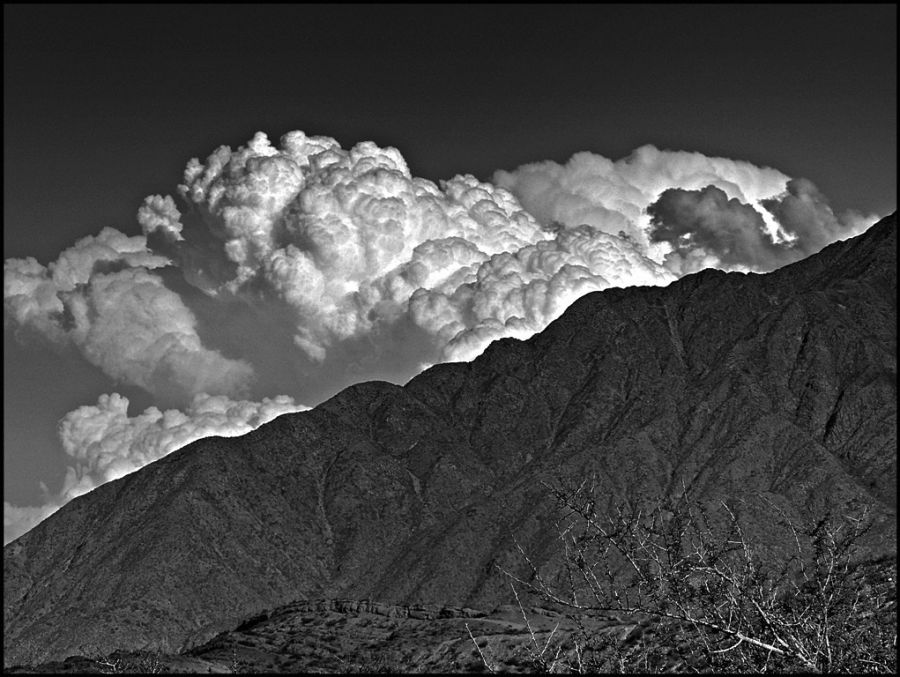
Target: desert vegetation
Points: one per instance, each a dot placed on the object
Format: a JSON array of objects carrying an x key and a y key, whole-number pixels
[{"x": 703, "y": 595}]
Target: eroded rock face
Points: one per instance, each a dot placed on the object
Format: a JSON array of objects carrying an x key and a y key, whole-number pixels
[{"x": 777, "y": 388}]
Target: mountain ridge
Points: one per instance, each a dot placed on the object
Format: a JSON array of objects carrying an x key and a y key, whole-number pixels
[{"x": 413, "y": 493}]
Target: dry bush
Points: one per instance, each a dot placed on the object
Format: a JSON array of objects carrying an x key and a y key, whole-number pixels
[
  {"x": 142, "y": 664},
  {"x": 700, "y": 595}
]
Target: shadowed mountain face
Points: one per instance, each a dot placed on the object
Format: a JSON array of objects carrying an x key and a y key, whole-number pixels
[{"x": 775, "y": 389}]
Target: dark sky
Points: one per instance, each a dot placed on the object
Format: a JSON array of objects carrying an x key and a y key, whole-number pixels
[{"x": 104, "y": 104}]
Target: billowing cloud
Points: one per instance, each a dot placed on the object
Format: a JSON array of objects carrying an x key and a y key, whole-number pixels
[
  {"x": 335, "y": 234},
  {"x": 101, "y": 297},
  {"x": 353, "y": 244},
  {"x": 105, "y": 443},
  {"x": 300, "y": 267}
]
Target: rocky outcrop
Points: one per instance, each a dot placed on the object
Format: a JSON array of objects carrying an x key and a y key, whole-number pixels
[
  {"x": 775, "y": 389},
  {"x": 351, "y": 606}
]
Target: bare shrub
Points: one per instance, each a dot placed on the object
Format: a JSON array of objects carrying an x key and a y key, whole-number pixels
[
  {"x": 118, "y": 664},
  {"x": 697, "y": 594}
]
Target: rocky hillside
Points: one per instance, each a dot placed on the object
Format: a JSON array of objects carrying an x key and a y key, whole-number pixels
[
  {"x": 767, "y": 389},
  {"x": 364, "y": 637}
]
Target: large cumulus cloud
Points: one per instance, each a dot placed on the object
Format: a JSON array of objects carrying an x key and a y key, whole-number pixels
[
  {"x": 343, "y": 237},
  {"x": 335, "y": 265},
  {"x": 352, "y": 244}
]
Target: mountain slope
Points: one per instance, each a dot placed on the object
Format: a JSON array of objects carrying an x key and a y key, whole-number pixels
[{"x": 777, "y": 387}]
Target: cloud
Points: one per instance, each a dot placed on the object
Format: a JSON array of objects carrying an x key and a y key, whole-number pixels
[
  {"x": 707, "y": 229},
  {"x": 684, "y": 210},
  {"x": 331, "y": 233},
  {"x": 519, "y": 293},
  {"x": 704, "y": 228},
  {"x": 613, "y": 195},
  {"x": 101, "y": 297},
  {"x": 299, "y": 267},
  {"x": 105, "y": 443},
  {"x": 353, "y": 246},
  {"x": 806, "y": 216}
]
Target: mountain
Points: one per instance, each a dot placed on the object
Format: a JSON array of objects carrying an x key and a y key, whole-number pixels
[{"x": 767, "y": 389}]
